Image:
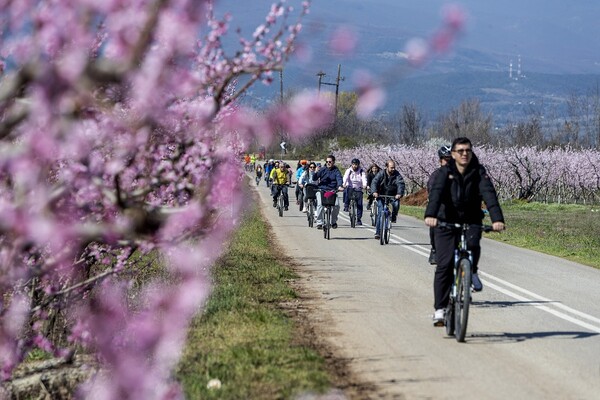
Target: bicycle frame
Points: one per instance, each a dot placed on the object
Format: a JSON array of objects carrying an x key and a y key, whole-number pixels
[
  {"x": 280, "y": 200},
  {"x": 457, "y": 311},
  {"x": 385, "y": 224},
  {"x": 327, "y": 210},
  {"x": 353, "y": 207}
]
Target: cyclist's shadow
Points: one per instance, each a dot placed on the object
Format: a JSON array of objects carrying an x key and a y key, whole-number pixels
[{"x": 512, "y": 337}]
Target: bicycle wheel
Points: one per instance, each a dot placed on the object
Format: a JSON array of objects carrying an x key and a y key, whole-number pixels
[
  {"x": 326, "y": 223},
  {"x": 352, "y": 213},
  {"x": 301, "y": 201},
  {"x": 280, "y": 205},
  {"x": 463, "y": 298},
  {"x": 310, "y": 213},
  {"x": 388, "y": 229},
  {"x": 382, "y": 227},
  {"x": 449, "y": 318},
  {"x": 373, "y": 213}
]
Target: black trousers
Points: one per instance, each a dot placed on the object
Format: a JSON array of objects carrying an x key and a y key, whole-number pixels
[{"x": 446, "y": 241}]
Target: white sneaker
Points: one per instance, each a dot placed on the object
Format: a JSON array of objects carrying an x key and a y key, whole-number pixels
[
  {"x": 304, "y": 210},
  {"x": 438, "y": 317},
  {"x": 476, "y": 283}
]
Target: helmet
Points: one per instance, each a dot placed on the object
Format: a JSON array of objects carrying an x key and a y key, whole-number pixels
[
  {"x": 356, "y": 161},
  {"x": 444, "y": 152}
]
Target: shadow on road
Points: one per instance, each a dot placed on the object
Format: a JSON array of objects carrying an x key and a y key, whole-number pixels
[
  {"x": 512, "y": 337},
  {"x": 504, "y": 304}
]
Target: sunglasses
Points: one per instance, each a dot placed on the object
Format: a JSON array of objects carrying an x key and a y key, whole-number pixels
[{"x": 463, "y": 151}]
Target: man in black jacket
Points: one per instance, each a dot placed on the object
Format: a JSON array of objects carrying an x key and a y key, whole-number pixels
[
  {"x": 387, "y": 182},
  {"x": 455, "y": 197}
]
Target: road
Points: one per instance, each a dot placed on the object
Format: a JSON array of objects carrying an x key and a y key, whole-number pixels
[{"x": 534, "y": 331}]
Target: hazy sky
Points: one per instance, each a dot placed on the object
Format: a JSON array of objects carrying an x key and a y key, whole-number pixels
[{"x": 550, "y": 35}]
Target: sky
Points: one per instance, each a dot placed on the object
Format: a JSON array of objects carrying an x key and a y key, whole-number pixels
[{"x": 557, "y": 36}]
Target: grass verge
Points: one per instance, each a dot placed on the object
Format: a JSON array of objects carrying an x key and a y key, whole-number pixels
[
  {"x": 244, "y": 337},
  {"x": 569, "y": 231}
]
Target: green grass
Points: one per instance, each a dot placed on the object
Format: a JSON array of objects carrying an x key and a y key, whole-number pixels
[
  {"x": 564, "y": 230},
  {"x": 243, "y": 337}
]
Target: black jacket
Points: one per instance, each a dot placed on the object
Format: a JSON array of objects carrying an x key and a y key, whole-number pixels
[
  {"x": 388, "y": 185},
  {"x": 457, "y": 198}
]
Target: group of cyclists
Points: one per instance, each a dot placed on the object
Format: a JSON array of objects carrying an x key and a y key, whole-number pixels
[{"x": 455, "y": 193}]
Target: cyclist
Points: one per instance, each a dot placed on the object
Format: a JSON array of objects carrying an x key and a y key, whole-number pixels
[
  {"x": 268, "y": 169},
  {"x": 387, "y": 182},
  {"x": 259, "y": 173},
  {"x": 371, "y": 172},
  {"x": 444, "y": 155},
  {"x": 305, "y": 178},
  {"x": 355, "y": 178},
  {"x": 280, "y": 179},
  {"x": 455, "y": 197},
  {"x": 302, "y": 167},
  {"x": 328, "y": 178}
]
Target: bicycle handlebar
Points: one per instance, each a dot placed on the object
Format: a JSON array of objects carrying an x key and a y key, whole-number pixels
[{"x": 485, "y": 228}]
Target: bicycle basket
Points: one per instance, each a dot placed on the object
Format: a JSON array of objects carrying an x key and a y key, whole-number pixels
[
  {"x": 311, "y": 191},
  {"x": 329, "y": 198}
]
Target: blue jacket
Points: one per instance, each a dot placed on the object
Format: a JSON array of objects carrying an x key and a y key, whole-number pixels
[{"x": 328, "y": 178}]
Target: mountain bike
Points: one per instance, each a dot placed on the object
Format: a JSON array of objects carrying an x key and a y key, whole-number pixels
[
  {"x": 328, "y": 199},
  {"x": 457, "y": 311},
  {"x": 280, "y": 200},
  {"x": 385, "y": 219},
  {"x": 311, "y": 198},
  {"x": 353, "y": 206}
]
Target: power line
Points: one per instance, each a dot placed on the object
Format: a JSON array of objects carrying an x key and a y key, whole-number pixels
[{"x": 339, "y": 78}]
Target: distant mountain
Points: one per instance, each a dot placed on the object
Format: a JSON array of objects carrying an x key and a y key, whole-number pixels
[{"x": 555, "y": 41}]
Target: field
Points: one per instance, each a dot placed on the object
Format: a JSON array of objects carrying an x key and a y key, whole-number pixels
[{"x": 563, "y": 230}]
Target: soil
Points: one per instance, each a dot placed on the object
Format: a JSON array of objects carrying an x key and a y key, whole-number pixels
[
  {"x": 310, "y": 333},
  {"x": 418, "y": 198}
]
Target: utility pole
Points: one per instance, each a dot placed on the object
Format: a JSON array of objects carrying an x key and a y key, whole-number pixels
[
  {"x": 281, "y": 85},
  {"x": 339, "y": 78}
]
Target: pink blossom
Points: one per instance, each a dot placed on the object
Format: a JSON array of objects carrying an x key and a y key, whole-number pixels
[
  {"x": 343, "y": 40},
  {"x": 370, "y": 95}
]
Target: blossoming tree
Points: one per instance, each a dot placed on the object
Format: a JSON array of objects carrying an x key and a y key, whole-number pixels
[{"x": 118, "y": 128}]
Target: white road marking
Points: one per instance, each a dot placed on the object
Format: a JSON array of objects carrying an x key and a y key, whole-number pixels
[{"x": 569, "y": 314}]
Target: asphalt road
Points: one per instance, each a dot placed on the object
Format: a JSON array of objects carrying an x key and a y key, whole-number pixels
[{"x": 534, "y": 331}]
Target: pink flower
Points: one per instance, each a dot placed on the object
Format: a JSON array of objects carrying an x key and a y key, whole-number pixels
[{"x": 343, "y": 41}]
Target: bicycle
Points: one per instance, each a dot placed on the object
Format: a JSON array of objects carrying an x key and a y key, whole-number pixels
[
  {"x": 311, "y": 197},
  {"x": 457, "y": 311},
  {"x": 328, "y": 199},
  {"x": 385, "y": 223},
  {"x": 353, "y": 206},
  {"x": 300, "y": 200},
  {"x": 258, "y": 179},
  {"x": 280, "y": 200},
  {"x": 373, "y": 211}
]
